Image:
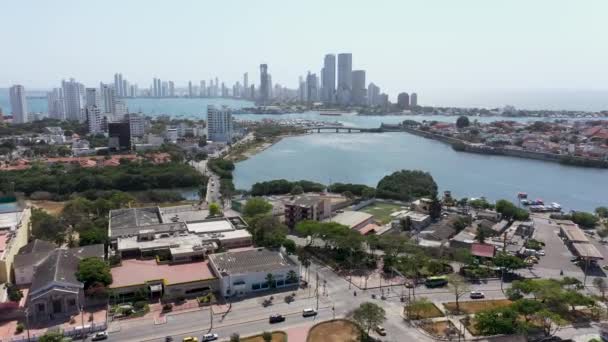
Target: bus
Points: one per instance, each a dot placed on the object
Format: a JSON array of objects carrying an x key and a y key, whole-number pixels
[{"x": 436, "y": 281}]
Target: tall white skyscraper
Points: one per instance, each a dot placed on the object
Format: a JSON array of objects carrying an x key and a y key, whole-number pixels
[
  {"x": 108, "y": 98},
  {"x": 219, "y": 124},
  {"x": 120, "y": 110},
  {"x": 118, "y": 84},
  {"x": 345, "y": 78},
  {"x": 73, "y": 100},
  {"x": 92, "y": 98},
  {"x": 94, "y": 119},
  {"x": 245, "y": 85},
  {"x": 18, "y": 103},
  {"x": 264, "y": 85},
  {"x": 413, "y": 100},
  {"x": 373, "y": 95},
  {"x": 171, "y": 89},
  {"x": 311, "y": 88},
  {"x": 329, "y": 78},
  {"x": 55, "y": 104},
  {"x": 190, "y": 90},
  {"x": 137, "y": 124},
  {"x": 359, "y": 93}
]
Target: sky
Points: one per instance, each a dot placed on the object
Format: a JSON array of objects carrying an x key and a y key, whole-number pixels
[{"x": 427, "y": 46}]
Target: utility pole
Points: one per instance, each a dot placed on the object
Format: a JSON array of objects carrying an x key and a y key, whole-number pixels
[
  {"x": 84, "y": 336},
  {"x": 317, "y": 291},
  {"x": 27, "y": 323},
  {"x": 211, "y": 316}
]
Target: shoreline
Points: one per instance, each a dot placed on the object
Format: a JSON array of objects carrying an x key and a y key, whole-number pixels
[{"x": 250, "y": 152}]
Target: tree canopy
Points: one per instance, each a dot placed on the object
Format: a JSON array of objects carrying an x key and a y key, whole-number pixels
[
  {"x": 94, "y": 270},
  {"x": 584, "y": 219},
  {"x": 369, "y": 315},
  {"x": 256, "y": 206},
  {"x": 462, "y": 122},
  {"x": 406, "y": 185},
  {"x": 283, "y": 186},
  {"x": 510, "y": 211}
]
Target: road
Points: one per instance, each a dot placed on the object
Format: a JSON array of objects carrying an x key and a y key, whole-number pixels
[{"x": 213, "y": 184}]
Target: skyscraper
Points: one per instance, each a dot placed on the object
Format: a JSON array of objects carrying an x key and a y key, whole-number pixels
[
  {"x": 55, "y": 104},
  {"x": 219, "y": 124},
  {"x": 373, "y": 93},
  {"x": 264, "y": 84},
  {"x": 414, "y": 100},
  {"x": 345, "y": 78},
  {"x": 118, "y": 84},
  {"x": 94, "y": 119},
  {"x": 108, "y": 98},
  {"x": 201, "y": 91},
  {"x": 92, "y": 98},
  {"x": 311, "y": 88},
  {"x": 359, "y": 93},
  {"x": 18, "y": 103},
  {"x": 329, "y": 78},
  {"x": 403, "y": 100},
  {"x": 73, "y": 100},
  {"x": 245, "y": 85},
  {"x": 164, "y": 89},
  {"x": 171, "y": 89},
  {"x": 190, "y": 90}
]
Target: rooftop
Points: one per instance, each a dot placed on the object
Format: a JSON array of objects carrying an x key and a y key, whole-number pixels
[
  {"x": 255, "y": 260},
  {"x": 134, "y": 217},
  {"x": 136, "y": 272},
  {"x": 587, "y": 250},
  {"x": 304, "y": 200},
  {"x": 573, "y": 233},
  {"x": 215, "y": 226},
  {"x": 351, "y": 218},
  {"x": 483, "y": 250}
]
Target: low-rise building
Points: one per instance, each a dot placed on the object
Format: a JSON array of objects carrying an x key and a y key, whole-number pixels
[
  {"x": 243, "y": 272},
  {"x": 418, "y": 220},
  {"x": 14, "y": 233},
  {"x": 353, "y": 219},
  {"x": 306, "y": 207},
  {"x": 422, "y": 205}
]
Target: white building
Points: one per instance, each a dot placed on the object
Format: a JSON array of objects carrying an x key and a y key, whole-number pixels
[
  {"x": 243, "y": 272},
  {"x": 55, "y": 104},
  {"x": 328, "y": 76},
  {"x": 137, "y": 123},
  {"x": 108, "y": 98},
  {"x": 171, "y": 134},
  {"x": 18, "y": 103},
  {"x": 345, "y": 78},
  {"x": 92, "y": 98},
  {"x": 120, "y": 110},
  {"x": 94, "y": 119},
  {"x": 73, "y": 100},
  {"x": 219, "y": 124}
]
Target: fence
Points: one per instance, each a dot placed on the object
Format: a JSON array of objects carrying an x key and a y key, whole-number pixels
[{"x": 76, "y": 331}]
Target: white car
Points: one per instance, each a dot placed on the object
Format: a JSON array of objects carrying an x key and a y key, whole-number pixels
[
  {"x": 99, "y": 336},
  {"x": 477, "y": 295},
  {"x": 209, "y": 337},
  {"x": 309, "y": 312}
]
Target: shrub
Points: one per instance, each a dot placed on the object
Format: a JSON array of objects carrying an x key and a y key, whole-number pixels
[
  {"x": 19, "y": 329},
  {"x": 139, "y": 305},
  {"x": 167, "y": 307}
]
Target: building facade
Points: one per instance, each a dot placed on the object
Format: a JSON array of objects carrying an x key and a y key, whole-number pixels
[
  {"x": 73, "y": 99},
  {"x": 403, "y": 100},
  {"x": 359, "y": 92},
  {"x": 345, "y": 78},
  {"x": 329, "y": 79},
  {"x": 219, "y": 124},
  {"x": 18, "y": 103}
]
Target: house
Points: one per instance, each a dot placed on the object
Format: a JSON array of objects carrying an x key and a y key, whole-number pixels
[
  {"x": 483, "y": 250},
  {"x": 243, "y": 272},
  {"x": 422, "y": 205},
  {"x": 353, "y": 219},
  {"x": 306, "y": 207},
  {"x": 418, "y": 221}
]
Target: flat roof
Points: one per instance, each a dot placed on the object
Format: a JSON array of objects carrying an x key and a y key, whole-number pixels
[
  {"x": 351, "y": 218},
  {"x": 254, "y": 260},
  {"x": 183, "y": 213},
  {"x": 204, "y": 227},
  {"x": 10, "y": 219},
  {"x": 574, "y": 233},
  {"x": 134, "y": 217},
  {"x": 137, "y": 272},
  {"x": 587, "y": 250}
]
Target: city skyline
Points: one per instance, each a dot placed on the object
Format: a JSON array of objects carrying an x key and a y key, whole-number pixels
[{"x": 464, "y": 45}]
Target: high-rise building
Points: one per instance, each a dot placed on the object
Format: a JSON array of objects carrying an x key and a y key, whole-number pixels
[
  {"x": 73, "y": 100},
  {"x": 119, "y": 136},
  {"x": 414, "y": 100},
  {"x": 120, "y": 110},
  {"x": 137, "y": 124},
  {"x": 264, "y": 85},
  {"x": 92, "y": 98},
  {"x": 359, "y": 92},
  {"x": 125, "y": 88},
  {"x": 345, "y": 78},
  {"x": 164, "y": 89},
  {"x": 55, "y": 104},
  {"x": 18, "y": 103},
  {"x": 301, "y": 89},
  {"x": 245, "y": 85},
  {"x": 403, "y": 100},
  {"x": 190, "y": 90},
  {"x": 108, "y": 98},
  {"x": 311, "y": 88},
  {"x": 171, "y": 89},
  {"x": 118, "y": 84},
  {"x": 329, "y": 78},
  {"x": 219, "y": 124},
  {"x": 201, "y": 90},
  {"x": 373, "y": 93},
  {"x": 94, "y": 119}
]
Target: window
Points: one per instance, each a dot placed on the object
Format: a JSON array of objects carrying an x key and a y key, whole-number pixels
[
  {"x": 255, "y": 286},
  {"x": 40, "y": 307},
  {"x": 72, "y": 302},
  {"x": 280, "y": 282},
  {"x": 264, "y": 285}
]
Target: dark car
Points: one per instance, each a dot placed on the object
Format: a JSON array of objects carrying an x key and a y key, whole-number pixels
[
  {"x": 276, "y": 318},
  {"x": 168, "y": 339}
]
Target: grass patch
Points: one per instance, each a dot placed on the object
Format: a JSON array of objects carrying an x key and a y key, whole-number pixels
[
  {"x": 473, "y": 307},
  {"x": 432, "y": 312},
  {"x": 440, "y": 329},
  {"x": 382, "y": 211},
  {"x": 277, "y": 336},
  {"x": 337, "y": 330}
]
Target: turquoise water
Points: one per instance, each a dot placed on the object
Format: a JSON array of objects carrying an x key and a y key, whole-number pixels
[{"x": 366, "y": 158}]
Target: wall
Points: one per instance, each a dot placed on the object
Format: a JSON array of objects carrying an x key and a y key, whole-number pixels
[{"x": 17, "y": 241}]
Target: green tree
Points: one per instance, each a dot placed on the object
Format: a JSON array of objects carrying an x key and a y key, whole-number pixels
[
  {"x": 368, "y": 193},
  {"x": 416, "y": 308},
  {"x": 256, "y": 206},
  {"x": 93, "y": 236},
  {"x": 305, "y": 262},
  {"x": 496, "y": 321},
  {"x": 507, "y": 263},
  {"x": 267, "y": 336},
  {"x": 267, "y": 230},
  {"x": 462, "y": 122},
  {"x": 235, "y": 337},
  {"x": 94, "y": 270},
  {"x": 270, "y": 281},
  {"x": 292, "y": 277},
  {"x": 459, "y": 287},
  {"x": 550, "y": 321},
  {"x": 310, "y": 228},
  {"x": 435, "y": 208},
  {"x": 14, "y": 294},
  {"x": 214, "y": 209},
  {"x": 602, "y": 212},
  {"x": 47, "y": 227},
  {"x": 600, "y": 284},
  {"x": 51, "y": 336},
  {"x": 297, "y": 190},
  {"x": 407, "y": 184},
  {"x": 584, "y": 219},
  {"x": 369, "y": 315},
  {"x": 527, "y": 307}
]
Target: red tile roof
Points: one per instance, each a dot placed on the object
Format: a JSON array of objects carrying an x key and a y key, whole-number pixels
[{"x": 482, "y": 250}]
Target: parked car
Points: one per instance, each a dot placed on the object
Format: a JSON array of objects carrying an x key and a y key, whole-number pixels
[
  {"x": 190, "y": 339},
  {"x": 540, "y": 252},
  {"x": 209, "y": 337},
  {"x": 380, "y": 330},
  {"x": 309, "y": 312},
  {"x": 409, "y": 284},
  {"x": 98, "y": 336},
  {"x": 276, "y": 318},
  {"x": 168, "y": 339},
  {"x": 477, "y": 295}
]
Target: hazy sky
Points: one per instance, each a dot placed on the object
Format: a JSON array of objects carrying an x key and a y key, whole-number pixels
[{"x": 424, "y": 45}]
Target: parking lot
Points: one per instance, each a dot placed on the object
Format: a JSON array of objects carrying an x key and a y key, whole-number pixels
[{"x": 557, "y": 256}]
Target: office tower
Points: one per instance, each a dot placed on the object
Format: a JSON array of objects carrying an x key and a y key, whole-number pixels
[
  {"x": 252, "y": 93},
  {"x": 414, "y": 100},
  {"x": 311, "y": 88},
  {"x": 134, "y": 91},
  {"x": 245, "y": 85},
  {"x": 92, "y": 98},
  {"x": 190, "y": 90},
  {"x": 216, "y": 87},
  {"x": 125, "y": 88},
  {"x": 329, "y": 79},
  {"x": 301, "y": 89},
  {"x": 94, "y": 119},
  {"x": 264, "y": 84},
  {"x": 345, "y": 78},
  {"x": 118, "y": 84},
  {"x": 73, "y": 100},
  {"x": 373, "y": 93},
  {"x": 359, "y": 93},
  {"x": 219, "y": 124},
  {"x": 159, "y": 88},
  {"x": 164, "y": 89},
  {"x": 153, "y": 89},
  {"x": 171, "y": 89},
  {"x": 18, "y": 104},
  {"x": 120, "y": 110},
  {"x": 108, "y": 98},
  {"x": 119, "y": 136},
  {"x": 403, "y": 100},
  {"x": 137, "y": 124},
  {"x": 55, "y": 104}
]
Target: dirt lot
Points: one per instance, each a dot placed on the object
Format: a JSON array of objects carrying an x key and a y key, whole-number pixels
[
  {"x": 472, "y": 307},
  {"x": 277, "y": 336},
  {"x": 51, "y": 207},
  {"x": 440, "y": 329},
  {"x": 432, "y": 312},
  {"x": 338, "y": 330}
]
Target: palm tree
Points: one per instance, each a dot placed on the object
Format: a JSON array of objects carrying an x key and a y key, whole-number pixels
[
  {"x": 292, "y": 277},
  {"x": 270, "y": 281},
  {"x": 304, "y": 261}
]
